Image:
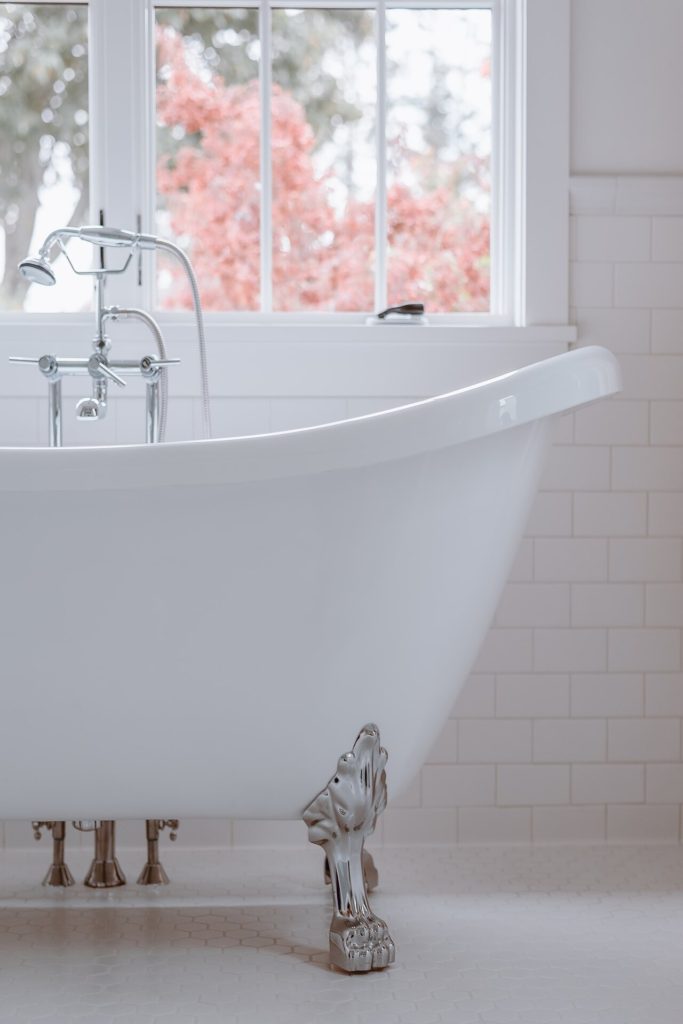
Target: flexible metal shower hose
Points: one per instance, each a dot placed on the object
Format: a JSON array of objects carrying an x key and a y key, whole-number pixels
[{"x": 203, "y": 366}]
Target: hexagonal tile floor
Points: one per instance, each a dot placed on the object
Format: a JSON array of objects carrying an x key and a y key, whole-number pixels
[{"x": 490, "y": 935}]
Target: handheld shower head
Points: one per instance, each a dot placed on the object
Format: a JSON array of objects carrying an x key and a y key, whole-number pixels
[{"x": 37, "y": 270}]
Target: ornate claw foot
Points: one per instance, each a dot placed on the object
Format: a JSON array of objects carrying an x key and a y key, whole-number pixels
[
  {"x": 58, "y": 873},
  {"x": 153, "y": 872},
  {"x": 370, "y": 873},
  {"x": 339, "y": 819}
]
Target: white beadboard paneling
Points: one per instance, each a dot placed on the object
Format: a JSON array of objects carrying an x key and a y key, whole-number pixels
[
  {"x": 645, "y": 560},
  {"x": 577, "y": 468},
  {"x": 608, "y": 604},
  {"x": 570, "y": 560},
  {"x": 612, "y": 422},
  {"x": 570, "y": 650},
  {"x": 240, "y": 417},
  {"x": 612, "y": 239},
  {"x": 366, "y": 406},
  {"x": 291, "y": 413},
  {"x": 532, "y": 784},
  {"x": 591, "y": 284},
  {"x": 569, "y": 824},
  {"x": 649, "y": 823},
  {"x": 664, "y": 783},
  {"x": 620, "y": 330},
  {"x": 551, "y": 515},
  {"x": 608, "y": 783},
  {"x": 477, "y": 697},
  {"x": 667, "y": 331},
  {"x": 494, "y": 825},
  {"x": 664, "y": 693},
  {"x": 667, "y": 239},
  {"x": 644, "y": 739},
  {"x": 606, "y": 694},
  {"x": 644, "y": 650},
  {"x": 183, "y": 424},
  {"x": 481, "y": 741},
  {"x": 506, "y": 650},
  {"x": 457, "y": 785},
  {"x": 665, "y": 514},
  {"x": 23, "y": 421},
  {"x": 572, "y": 740},
  {"x": 532, "y": 694},
  {"x": 534, "y": 604},
  {"x": 664, "y": 604}
]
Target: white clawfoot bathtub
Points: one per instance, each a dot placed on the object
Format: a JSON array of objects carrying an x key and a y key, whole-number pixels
[{"x": 199, "y": 629}]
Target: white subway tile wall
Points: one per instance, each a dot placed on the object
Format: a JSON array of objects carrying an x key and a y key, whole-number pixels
[{"x": 569, "y": 729}]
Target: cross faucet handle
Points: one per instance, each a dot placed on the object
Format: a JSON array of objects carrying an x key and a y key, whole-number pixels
[{"x": 98, "y": 368}]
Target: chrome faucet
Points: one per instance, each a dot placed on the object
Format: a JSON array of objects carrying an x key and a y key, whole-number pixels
[
  {"x": 38, "y": 269},
  {"x": 102, "y": 370}
]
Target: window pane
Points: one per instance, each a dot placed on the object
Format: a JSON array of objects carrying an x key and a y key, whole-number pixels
[
  {"x": 43, "y": 145},
  {"x": 208, "y": 161},
  {"x": 439, "y": 153},
  {"x": 323, "y": 127}
]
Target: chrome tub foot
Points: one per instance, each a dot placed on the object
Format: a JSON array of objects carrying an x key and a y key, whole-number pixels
[
  {"x": 153, "y": 872},
  {"x": 105, "y": 871},
  {"x": 58, "y": 873},
  {"x": 370, "y": 873},
  {"x": 339, "y": 819}
]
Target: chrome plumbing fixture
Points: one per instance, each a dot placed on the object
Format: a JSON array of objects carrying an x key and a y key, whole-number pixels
[
  {"x": 101, "y": 371},
  {"x": 58, "y": 872},
  {"x": 153, "y": 872},
  {"x": 340, "y": 819},
  {"x": 105, "y": 871},
  {"x": 38, "y": 270}
]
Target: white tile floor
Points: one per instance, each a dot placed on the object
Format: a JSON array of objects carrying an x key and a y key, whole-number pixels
[{"x": 483, "y": 935}]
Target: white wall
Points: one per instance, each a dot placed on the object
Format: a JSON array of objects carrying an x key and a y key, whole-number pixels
[{"x": 627, "y": 86}]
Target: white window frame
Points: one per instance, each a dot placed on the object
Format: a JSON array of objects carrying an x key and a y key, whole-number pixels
[{"x": 339, "y": 354}]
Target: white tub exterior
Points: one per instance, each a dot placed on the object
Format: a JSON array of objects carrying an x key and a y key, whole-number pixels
[{"x": 200, "y": 629}]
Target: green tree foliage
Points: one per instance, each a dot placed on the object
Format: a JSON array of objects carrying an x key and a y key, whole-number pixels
[{"x": 43, "y": 121}]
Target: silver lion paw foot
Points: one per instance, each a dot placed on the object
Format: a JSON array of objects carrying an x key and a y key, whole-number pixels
[
  {"x": 340, "y": 818},
  {"x": 360, "y": 944}
]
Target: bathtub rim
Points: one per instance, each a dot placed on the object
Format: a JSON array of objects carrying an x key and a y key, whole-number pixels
[{"x": 545, "y": 388}]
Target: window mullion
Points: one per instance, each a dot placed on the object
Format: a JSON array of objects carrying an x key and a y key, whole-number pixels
[
  {"x": 381, "y": 233},
  {"x": 266, "y": 158},
  {"x": 118, "y": 67}
]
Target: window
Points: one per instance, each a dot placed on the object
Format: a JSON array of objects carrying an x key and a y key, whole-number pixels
[
  {"x": 319, "y": 160},
  {"x": 360, "y": 178},
  {"x": 44, "y": 158}
]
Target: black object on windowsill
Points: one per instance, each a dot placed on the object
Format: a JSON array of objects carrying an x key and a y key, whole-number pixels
[{"x": 408, "y": 309}]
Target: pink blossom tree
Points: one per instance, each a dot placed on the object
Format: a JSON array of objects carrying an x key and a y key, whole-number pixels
[{"x": 322, "y": 257}]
